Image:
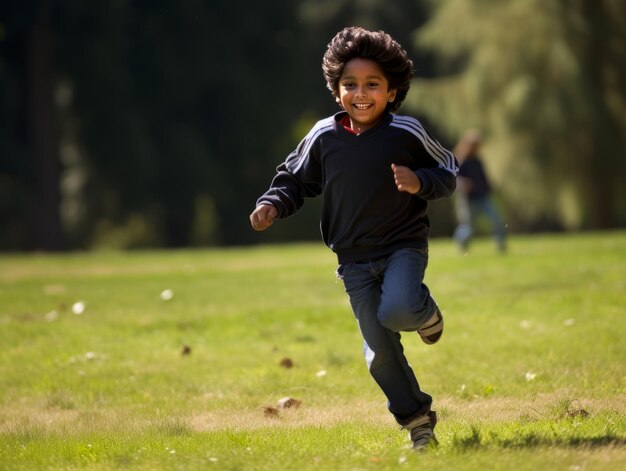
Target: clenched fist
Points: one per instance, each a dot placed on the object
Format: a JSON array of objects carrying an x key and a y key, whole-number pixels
[
  {"x": 406, "y": 179},
  {"x": 263, "y": 217}
]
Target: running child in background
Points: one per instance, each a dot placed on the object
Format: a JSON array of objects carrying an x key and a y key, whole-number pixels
[
  {"x": 473, "y": 197},
  {"x": 377, "y": 171}
]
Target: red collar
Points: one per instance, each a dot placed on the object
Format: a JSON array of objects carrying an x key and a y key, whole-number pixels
[{"x": 345, "y": 122}]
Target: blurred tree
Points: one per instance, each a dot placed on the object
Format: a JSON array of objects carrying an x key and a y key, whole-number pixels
[
  {"x": 546, "y": 82},
  {"x": 166, "y": 96},
  {"x": 42, "y": 128},
  {"x": 29, "y": 165}
]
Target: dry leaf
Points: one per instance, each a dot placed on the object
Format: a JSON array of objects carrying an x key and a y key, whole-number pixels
[
  {"x": 286, "y": 363},
  {"x": 269, "y": 411}
]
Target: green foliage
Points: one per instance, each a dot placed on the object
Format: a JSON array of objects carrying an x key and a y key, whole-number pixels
[
  {"x": 529, "y": 374},
  {"x": 544, "y": 81}
]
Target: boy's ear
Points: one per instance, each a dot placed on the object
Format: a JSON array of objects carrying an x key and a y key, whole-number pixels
[
  {"x": 392, "y": 95},
  {"x": 338, "y": 100}
]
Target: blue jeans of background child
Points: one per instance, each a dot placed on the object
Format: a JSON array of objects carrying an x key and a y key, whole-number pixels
[
  {"x": 468, "y": 210},
  {"x": 388, "y": 296}
]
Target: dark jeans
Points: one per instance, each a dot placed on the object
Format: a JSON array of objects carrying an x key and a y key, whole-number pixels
[
  {"x": 388, "y": 296},
  {"x": 468, "y": 210}
]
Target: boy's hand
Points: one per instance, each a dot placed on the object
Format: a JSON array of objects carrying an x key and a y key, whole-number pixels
[
  {"x": 405, "y": 179},
  {"x": 263, "y": 217}
]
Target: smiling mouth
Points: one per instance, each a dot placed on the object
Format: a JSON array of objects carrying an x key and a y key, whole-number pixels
[{"x": 362, "y": 106}]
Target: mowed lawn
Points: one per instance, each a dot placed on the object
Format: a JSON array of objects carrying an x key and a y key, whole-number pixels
[{"x": 530, "y": 373}]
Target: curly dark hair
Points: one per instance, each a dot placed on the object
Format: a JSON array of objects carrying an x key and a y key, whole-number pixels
[{"x": 354, "y": 42}]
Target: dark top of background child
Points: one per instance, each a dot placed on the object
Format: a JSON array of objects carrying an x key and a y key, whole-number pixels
[
  {"x": 474, "y": 181},
  {"x": 473, "y": 170}
]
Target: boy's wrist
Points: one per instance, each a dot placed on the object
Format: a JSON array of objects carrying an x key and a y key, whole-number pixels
[{"x": 419, "y": 184}]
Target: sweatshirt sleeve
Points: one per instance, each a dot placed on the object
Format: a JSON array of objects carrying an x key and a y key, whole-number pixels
[
  {"x": 298, "y": 177},
  {"x": 439, "y": 177},
  {"x": 436, "y": 183},
  {"x": 440, "y": 180}
]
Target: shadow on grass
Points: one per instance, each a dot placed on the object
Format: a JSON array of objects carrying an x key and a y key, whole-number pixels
[{"x": 475, "y": 439}]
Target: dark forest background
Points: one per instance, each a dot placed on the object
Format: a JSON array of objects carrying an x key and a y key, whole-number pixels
[{"x": 128, "y": 124}]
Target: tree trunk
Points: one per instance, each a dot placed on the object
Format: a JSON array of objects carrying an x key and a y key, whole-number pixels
[
  {"x": 43, "y": 132},
  {"x": 604, "y": 130}
]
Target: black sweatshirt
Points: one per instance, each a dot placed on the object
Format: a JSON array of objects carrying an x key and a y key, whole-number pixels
[{"x": 364, "y": 216}]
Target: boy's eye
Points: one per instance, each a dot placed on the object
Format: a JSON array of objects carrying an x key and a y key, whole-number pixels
[
  {"x": 373, "y": 84},
  {"x": 348, "y": 85}
]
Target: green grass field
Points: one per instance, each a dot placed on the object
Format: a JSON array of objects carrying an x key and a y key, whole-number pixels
[{"x": 530, "y": 373}]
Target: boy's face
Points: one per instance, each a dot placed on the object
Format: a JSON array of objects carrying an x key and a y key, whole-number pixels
[{"x": 364, "y": 93}]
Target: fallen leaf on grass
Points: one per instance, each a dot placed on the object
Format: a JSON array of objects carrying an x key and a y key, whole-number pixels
[
  {"x": 286, "y": 363},
  {"x": 186, "y": 350},
  {"x": 288, "y": 402},
  {"x": 269, "y": 411},
  {"x": 376, "y": 459}
]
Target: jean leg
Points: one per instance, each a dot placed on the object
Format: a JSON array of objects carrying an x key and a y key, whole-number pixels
[
  {"x": 383, "y": 351},
  {"x": 463, "y": 232},
  {"x": 491, "y": 211},
  {"x": 406, "y": 303}
]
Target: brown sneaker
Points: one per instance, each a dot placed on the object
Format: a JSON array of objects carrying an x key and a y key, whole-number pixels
[
  {"x": 432, "y": 330},
  {"x": 421, "y": 431}
]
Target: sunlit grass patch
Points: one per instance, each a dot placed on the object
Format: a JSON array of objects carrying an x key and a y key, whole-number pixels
[{"x": 175, "y": 356}]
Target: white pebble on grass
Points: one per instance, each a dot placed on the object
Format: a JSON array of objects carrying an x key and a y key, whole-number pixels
[
  {"x": 530, "y": 376},
  {"x": 167, "y": 294},
  {"x": 90, "y": 355},
  {"x": 78, "y": 307}
]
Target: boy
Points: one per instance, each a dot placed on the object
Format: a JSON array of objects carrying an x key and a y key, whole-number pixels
[{"x": 377, "y": 170}]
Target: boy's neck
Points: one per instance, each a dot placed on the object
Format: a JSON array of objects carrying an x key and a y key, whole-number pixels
[{"x": 349, "y": 125}]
